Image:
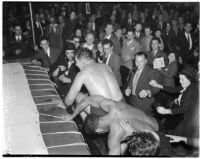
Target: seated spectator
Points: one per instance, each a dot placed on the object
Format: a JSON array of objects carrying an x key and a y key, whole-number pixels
[
  {"x": 47, "y": 55},
  {"x": 19, "y": 46},
  {"x": 65, "y": 71}
]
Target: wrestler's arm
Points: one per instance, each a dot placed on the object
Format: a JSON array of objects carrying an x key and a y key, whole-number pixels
[
  {"x": 92, "y": 101},
  {"x": 114, "y": 139},
  {"x": 74, "y": 90}
]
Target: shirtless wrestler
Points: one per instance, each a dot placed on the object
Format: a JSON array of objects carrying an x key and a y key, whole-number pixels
[
  {"x": 115, "y": 111},
  {"x": 97, "y": 78}
]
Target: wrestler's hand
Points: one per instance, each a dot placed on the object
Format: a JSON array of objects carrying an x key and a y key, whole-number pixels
[
  {"x": 128, "y": 92},
  {"x": 162, "y": 110},
  {"x": 126, "y": 125}
]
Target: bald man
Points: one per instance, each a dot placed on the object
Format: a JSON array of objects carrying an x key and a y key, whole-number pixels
[{"x": 115, "y": 111}]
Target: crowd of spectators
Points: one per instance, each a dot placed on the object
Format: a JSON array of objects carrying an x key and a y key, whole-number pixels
[{"x": 165, "y": 37}]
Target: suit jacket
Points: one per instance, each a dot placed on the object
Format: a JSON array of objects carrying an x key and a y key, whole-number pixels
[
  {"x": 140, "y": 37},
  {"x": 38, "y": 32},
  {"x": 46, "y": 60},
  {"x": 23, "y": 45},
  {"x": 146, "y": 76},
  {"x": 116, "y": 43},
  {"x": 189, "y": 107},
  {"x": 128, "y": 53},
  {"x": 183, "y": 44},
  {"x": 114, "y": 64},
  {"x": 127, "y": 25},
  {"x": 68, "y": 29},
  {"x": 145, "y": 44},
  {"x": 159, "y": 54}
]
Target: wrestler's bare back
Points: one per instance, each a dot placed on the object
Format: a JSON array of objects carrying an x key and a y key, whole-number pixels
[
  {"x": 139, "y": 120},
  {"x": 99, "y": 80}
]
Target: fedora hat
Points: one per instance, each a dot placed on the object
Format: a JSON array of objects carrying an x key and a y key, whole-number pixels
[{"x": 189, "y": 72}]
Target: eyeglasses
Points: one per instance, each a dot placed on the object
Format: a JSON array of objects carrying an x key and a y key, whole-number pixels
[{"x": 77, "y": 41}]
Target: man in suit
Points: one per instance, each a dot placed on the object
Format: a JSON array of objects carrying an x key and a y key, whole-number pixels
[
  {"x": 146, "y": 40},
  {"x": 156, "y": 52},
  {"x": 129, "y": 22},
  {"x": 110, "y": 36},
  {"x": 38, "y": 29},
  {"x": 18, "y": 46},
  {"x": 138, "y": 32},
  {"x": 140, "y": 92},
  {"x": 64, "y": 70},
  {"x": 129, "y": 49},
  {"x": 112, "y": 59},
  {"x": 185, "y": 44},
  {"x": 46, "y": 55}
]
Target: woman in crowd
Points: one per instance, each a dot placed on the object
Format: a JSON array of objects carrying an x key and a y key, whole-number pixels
[{"x": 186, "y": 104}]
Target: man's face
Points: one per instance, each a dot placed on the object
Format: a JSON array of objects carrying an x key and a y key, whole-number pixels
[
  {"x": 188, "y": 27},
  {"x": 147, "y": 31},
  {"x": 130, "y": 35},
  {"x": 154, "y": 45},
  {"x": 37, "y": 17},
  {"x": 70, "y": 54},
  {"x": 138, "y": 27},
  {"x": 44, "y": 44},
  {"x": 42, "y": 17},
  {"x": 77, "y": 42},
  {"x": 18, "y": 30},
  {"x": 140, "y": 61},
  {"x": 72, "y": 15},
  {"x": 109, "y": 29},
  {"x": 107, "y": 49},
  {"x": 89, "y": 39},
  {"x": 60, "y": 19}
]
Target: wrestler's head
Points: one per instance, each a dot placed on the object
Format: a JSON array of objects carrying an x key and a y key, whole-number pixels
[
  {"x": 83, "y": 57},
  {"x": 143, "y": 143},
  {"x": 91, "y": 123}
]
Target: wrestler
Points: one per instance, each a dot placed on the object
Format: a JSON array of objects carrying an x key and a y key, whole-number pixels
[
  {"x": 111, "y": 121},
  {"x": 97, "y": 78}
]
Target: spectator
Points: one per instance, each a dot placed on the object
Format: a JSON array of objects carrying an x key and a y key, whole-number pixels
[
  {"x": 109, "y": 35},
  {"x": 19, "y": 46},
  {"x": 100, "y": 55},
  {"x": 129, "y": 49},
  {"x": 146, "y": 40},
  {"x": 52, "y": 34},
  {"x": 186, "y": 103},
  {"x": 112, "y": 59},
  {"x": 141, "y": 94},
  {"x": 138, "y": 32},
  {"x": 47, "y": 55},
  {"x": 185, "y": 44},
  {"x": 65, "y": 71}
]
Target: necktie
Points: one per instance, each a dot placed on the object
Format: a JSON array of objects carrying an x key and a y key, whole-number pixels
[
  {"x": 135, "y": 81},
  {"x": 188, "y": 38}
]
